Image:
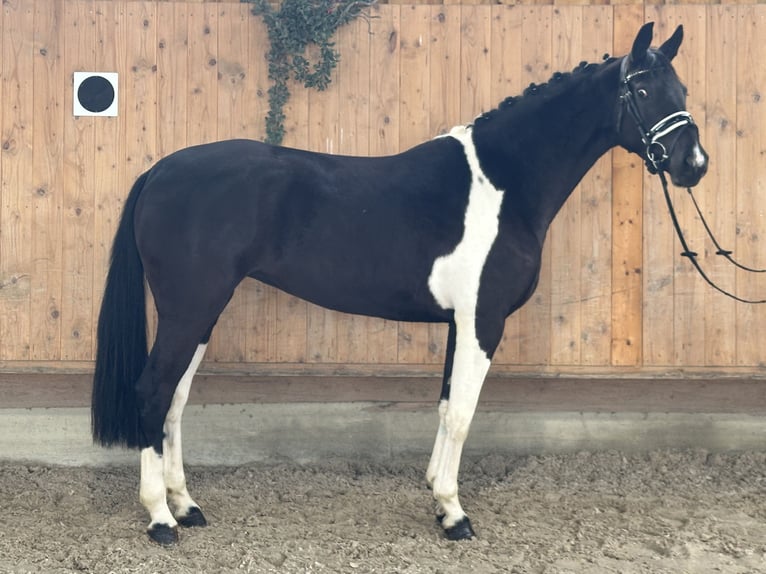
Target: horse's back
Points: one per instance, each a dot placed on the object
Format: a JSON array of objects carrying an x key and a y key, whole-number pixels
[{"x": 352, "y": 233}]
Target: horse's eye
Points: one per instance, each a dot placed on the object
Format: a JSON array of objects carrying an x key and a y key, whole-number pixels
[{"x": 642, "y": 93}]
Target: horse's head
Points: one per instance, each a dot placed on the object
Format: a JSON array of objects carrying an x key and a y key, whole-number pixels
[{"x": 652, "y": 120}]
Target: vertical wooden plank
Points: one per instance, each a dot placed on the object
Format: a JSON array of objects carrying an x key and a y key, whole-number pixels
[
  {"x": 354, "y": 126},
  {"x": 172, "y": 76},
  {"x": 535, "y": 316},
  {"x": 385, "y": 86},
  {"x": 257, "y": 81},
  {"x": 751, "y": 185},
  {"x": 627, "y": 221},
  {"x": 202, "y": 98},
  {"x": 230, "y": 342},
  {"x": 78, "y": 199},
  {"x": 290, "y": 333},
  {"x": 414, "y": 128},
  {"x": 47, "y": 168},
  {"x": 445, "y": 75},
  {"x": 596, "y": 219},
  {"x": 261, "y": 299},
  {"x": 507, "y": 80},
  {"x": 475, "y": 63},
  {"x": 234, "y": 27},
  {"x": 382, "y": 335},
  {"x": 323, "y": 330},
  {"x": 719, "y": 185},
  {"x": 16, "y": 180},
  {"x": 564, "y": 234},
  {"x": 414, "y": 83},
  {"x": 297, "y": 117},
  {"x": 109, "y": 149}
]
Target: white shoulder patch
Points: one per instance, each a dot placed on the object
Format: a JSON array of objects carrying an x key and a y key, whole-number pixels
[{"x": 454, "y": 279}]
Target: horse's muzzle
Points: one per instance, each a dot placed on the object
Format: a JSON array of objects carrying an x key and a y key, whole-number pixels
[{"x": 692, "y": 169}]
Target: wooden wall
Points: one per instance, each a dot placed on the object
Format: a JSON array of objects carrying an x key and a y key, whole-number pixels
[{"x": 615, "y": 295}]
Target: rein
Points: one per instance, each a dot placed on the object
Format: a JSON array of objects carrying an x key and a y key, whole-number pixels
[
  {"x": 692, "y": 255},
  {"x": 656, "y": 155}
]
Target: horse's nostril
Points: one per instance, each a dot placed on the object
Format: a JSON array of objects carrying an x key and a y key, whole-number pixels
[{"x": 697, "y": 160}]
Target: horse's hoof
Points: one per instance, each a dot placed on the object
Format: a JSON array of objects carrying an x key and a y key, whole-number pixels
[
  {"x": 163, "y": 534},
  {"x": 462, "y": 530},
  {"x": 194, "y": 517}
]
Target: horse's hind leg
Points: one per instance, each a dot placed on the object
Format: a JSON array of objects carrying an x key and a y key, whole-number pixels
[
  {"x": 187, "y": 512},
  {"x": 163, "y": 389}
]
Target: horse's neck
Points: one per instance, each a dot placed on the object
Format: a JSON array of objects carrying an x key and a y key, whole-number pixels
[{"x": 540, "y": 157}]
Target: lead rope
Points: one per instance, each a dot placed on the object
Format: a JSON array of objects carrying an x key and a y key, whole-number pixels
[{"x": 692, "y": 256}]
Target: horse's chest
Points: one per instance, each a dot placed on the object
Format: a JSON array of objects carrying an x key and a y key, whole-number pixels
[{"x": 455, "y": 278}]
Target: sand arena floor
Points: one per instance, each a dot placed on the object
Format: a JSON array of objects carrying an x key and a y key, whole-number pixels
[{"x": 657, "y": 512}]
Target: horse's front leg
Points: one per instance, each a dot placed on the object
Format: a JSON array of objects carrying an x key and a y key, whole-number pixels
[
  {"x": 441, "y": 434},
  {"x": 470, "y": 366}
]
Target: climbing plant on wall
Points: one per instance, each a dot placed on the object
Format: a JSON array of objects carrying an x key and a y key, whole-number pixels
[{"x": 297, "y": 28}]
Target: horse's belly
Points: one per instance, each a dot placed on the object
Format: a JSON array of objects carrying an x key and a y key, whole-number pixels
[{"x": 383, "y": 288}]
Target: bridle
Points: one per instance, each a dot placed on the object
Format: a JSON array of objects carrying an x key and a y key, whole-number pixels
[{"x": 656, "y": 154}]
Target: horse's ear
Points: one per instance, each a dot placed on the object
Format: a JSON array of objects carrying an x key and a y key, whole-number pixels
[
  {"x": 642, "y": 42},
  {"x": 670, "y": 47}
]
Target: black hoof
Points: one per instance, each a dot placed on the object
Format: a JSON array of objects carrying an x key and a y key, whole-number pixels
[
  {"x": 193, "y": 518},
  {"x": 462, "y": 530},
  {"x": 163, "y": 534}
]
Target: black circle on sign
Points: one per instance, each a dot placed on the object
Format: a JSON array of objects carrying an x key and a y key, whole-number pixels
[{"x": 95, "y": 94}]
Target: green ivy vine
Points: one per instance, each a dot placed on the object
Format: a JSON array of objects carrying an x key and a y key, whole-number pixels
[{"x": 293, "y": 28}]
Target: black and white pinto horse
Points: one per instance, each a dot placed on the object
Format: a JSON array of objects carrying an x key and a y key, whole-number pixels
[{"x": 449, "y": 231}]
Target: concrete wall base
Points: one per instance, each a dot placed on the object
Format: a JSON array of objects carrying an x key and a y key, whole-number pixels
[{"x": 305, "y": 432}]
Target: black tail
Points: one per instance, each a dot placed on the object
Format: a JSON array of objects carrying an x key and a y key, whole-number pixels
[{"x": 122, "y": 351}]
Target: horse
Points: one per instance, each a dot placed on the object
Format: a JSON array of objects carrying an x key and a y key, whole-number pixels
[{"x": 450, "y": 231}]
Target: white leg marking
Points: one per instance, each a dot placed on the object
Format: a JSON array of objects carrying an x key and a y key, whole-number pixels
[
  {"x": 470, "y": 367},
  {"x": 454, "y": 282},
  {"x": 175, "y": 479},
  {"x": 152, "y": 490},
  {"x": 441, "y": 437}
]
